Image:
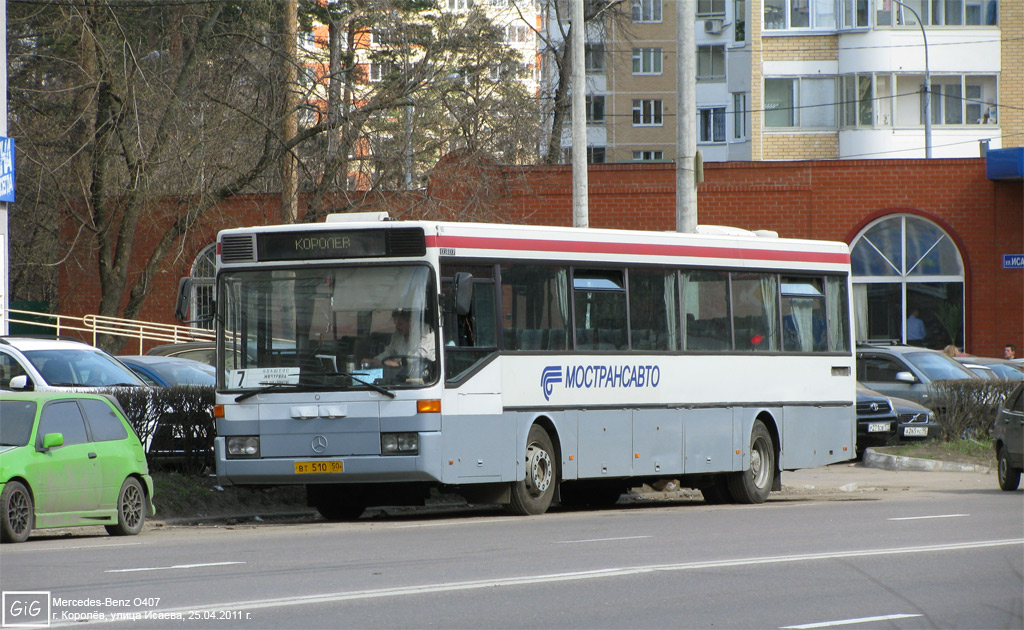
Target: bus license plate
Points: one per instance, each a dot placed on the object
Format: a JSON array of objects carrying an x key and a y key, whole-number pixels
[
  {"x": 331, "y": 466},
  {"x": 878, "y": 427},
  {"x": 915, "y": 431}
]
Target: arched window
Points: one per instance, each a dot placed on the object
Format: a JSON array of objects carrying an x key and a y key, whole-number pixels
[
  {"x": 908, "y": 283},
  {"x": 203, "y": 274}
]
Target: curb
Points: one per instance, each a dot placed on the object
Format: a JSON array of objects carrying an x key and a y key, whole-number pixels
[{"x": 873, "y": 459}]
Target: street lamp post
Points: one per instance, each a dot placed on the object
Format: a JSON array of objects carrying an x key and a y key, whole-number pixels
[{"x": 927, "y": 84}]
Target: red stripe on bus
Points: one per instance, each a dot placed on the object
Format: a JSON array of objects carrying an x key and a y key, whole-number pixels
[{"x": 632, "y": 249}]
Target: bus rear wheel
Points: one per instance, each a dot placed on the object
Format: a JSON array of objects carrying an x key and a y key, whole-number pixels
[
  {"x": 533, "y": 494},
  {"x": 754, "y": 485}
]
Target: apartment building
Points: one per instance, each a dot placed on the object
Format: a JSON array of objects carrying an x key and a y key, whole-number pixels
[{"x": 812, "y": 79}]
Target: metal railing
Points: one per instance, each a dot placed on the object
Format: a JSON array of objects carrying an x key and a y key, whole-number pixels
[{"x": 94, "y": 325}]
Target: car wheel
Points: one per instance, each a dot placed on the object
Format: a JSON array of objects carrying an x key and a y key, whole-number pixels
[
  {"x": 533, "y": 494},
  {"x": 131, "y": 509},
  {"x": 18, "y": 516},
  {"x": 754, "y": 485},
  {"x": 1009, "y": 477}
]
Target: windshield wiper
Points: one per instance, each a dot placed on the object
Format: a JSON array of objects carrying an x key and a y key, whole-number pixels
[
  {"x": 269, "y": 387},
  {"x": 375, "y": 387}
]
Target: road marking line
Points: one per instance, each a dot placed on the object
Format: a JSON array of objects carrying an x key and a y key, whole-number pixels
[
  {"x": 921, "y": 518},
  {"x": 177, "y": 566},
  {"x": 447, "y": 587},
  {"x": 850, "y": 622},
  {"x": 590, "y": 540}
]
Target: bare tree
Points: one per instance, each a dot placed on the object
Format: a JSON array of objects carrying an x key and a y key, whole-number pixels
[{"x": 120, "y": 108}]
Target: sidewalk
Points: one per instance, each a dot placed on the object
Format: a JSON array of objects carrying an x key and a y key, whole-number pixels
[{"x": 880, "y": 473}]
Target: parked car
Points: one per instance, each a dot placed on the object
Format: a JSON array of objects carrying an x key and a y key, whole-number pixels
[
  {"x": 167, "y": 371},
  {"x": 202, "y": 351},
  {"x": 69, "y": 459},
  {"x": 876, "y": 420},
  {"x": 48, "y": 364},
  {"x": 906, "y": 371},
  {"x": 915, "y": 423},
  {"x": 1008, "y": 438},
  {"x": 1001, "y": 368}
]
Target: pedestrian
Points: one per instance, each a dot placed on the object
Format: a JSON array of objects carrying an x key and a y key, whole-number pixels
[
  {"x": 915, "y": 328},
  {"x": 951, "y": 351},
  {"x": 1010, "y": 351}
]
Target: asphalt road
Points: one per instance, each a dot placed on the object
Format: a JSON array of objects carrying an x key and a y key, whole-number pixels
[{"x": 840, "y": 547}]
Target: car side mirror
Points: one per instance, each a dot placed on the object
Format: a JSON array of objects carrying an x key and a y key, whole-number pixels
[
  {"x": 19, "y": 382},
  {"x": 52, "y": 440},
  {"x": 905, "y": 377},
  {"x": 463, "y": 292}
]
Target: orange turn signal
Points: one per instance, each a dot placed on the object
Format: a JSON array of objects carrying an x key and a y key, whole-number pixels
[
  {"x": 218, "y": 411},
  {"x": 428, "y": 406}
]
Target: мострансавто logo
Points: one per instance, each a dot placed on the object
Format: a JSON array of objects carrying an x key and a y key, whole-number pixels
[{"x": 599, "y": 377}]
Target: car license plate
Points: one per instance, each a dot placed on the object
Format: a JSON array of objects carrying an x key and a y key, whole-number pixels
[
  {"x": 330, "y": 466},
  {"x": 878, "y": 427},
  {"x": 915, "y": 431}
]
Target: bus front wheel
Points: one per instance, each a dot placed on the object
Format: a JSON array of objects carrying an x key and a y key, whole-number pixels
[
  {"x": 754, "y": 485},
  {"x": 533, "y": 494}
]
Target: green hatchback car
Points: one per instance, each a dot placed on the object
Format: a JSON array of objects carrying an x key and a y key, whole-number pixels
[{"x": 70, "y": 459}]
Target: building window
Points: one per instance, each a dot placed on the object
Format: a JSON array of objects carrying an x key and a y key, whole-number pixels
[
  {"x": 711, "y": 124},
  {"x": 858, "y": 103},
  {"x": 646, "y": 61},
  {"x": 806, "y": 102},
  {"x": 646, "y": 11},
  {"x": 799, "y": 14},
  {"x": 739, "y": 9},
  {"x": 710, "y": 7},
  {"x": 955, "y": 100},
  {"x": 646, "y": 112},
  {"x": 595, "y": 108},
  {"x": 711, "y": 63},
  {"x": 518, "y": 34},
  {"x": 595, "y": 155},
  {"x": 647, "y": 156},
  {"x": 739, "y": 116},
  {"x": 901, "y": 264},
  {"x": 203, "y": 299},
  {"x": 593, "y": 57},
  {"x": 854, "y": 14},
  {"x": 460, "y": 5},
  {"x": 934, "y": 13}
]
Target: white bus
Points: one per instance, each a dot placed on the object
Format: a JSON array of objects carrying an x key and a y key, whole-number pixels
[{"x": 373, "y": 361}]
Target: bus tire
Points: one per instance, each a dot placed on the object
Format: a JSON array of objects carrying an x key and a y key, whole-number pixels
[
  {"x": 533, "y": 494},
  {"x": 717, "y": 493},
  {"x": 754, "y": 485},
  {"x": 335, "y": 503}
]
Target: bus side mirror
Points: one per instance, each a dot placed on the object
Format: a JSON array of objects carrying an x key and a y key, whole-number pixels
[
  {"x": 463, "y": 292},
  {"x": 184, "y": 298}
]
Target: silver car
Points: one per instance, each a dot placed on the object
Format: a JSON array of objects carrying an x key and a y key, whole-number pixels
[
  {"x": 906, "y": 371},
  {"x": 47, "y": 364}
]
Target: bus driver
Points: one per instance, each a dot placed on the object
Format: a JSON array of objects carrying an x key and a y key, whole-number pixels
[{"x": 417, "y": 353}]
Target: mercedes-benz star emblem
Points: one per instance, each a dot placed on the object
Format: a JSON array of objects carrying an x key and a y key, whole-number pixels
[{"x": 319, "y": 444}]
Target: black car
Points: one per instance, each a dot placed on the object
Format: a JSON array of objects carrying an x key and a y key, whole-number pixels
[
  {"x": 876, "y": 420},
  {"x": 1008, "y": 438}
]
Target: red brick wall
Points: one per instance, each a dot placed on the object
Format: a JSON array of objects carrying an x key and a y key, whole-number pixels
[{"x": 832, "y": 200}]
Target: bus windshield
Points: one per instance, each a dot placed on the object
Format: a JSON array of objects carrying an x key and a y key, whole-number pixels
[{"x": 328, "y": 327}]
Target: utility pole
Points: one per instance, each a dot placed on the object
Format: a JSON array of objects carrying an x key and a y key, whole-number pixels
[
  {"x": 289, "y": 122},
  {"x": 686, "y": 117},
  {"x": 577, "y": 35},
  {"x": 927, "y": 84}
]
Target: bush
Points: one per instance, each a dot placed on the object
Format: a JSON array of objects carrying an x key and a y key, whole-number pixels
[
  {"x": 966, "y": 408},
  {"x": 175, "y": 424}
]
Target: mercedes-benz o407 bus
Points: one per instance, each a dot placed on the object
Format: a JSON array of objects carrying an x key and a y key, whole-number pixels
[{"x": 373, "y": 360}]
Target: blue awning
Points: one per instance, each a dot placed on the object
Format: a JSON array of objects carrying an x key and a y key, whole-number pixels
[{"x": 1005, "y": 165}]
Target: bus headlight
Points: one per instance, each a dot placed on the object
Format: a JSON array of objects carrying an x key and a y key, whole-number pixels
[
  {"x": 399, "y": 443},
  {"x": 243, "y": 446}
]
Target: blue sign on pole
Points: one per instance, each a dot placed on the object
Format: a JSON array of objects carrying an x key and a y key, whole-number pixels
[
  {"x": 6, "y": 169},
  {"x": 1013, "y": 261}
]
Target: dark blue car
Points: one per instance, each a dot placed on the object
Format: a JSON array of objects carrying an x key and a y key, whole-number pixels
[{"x": 163, "y": 371}]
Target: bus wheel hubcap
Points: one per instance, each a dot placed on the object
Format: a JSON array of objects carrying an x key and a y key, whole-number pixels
[{"x": 539, "y": 477}]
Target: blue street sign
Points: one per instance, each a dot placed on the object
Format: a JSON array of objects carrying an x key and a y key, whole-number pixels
[
  {"x": 1013, "y": 261},
  {"x": 6, "y": 169}
]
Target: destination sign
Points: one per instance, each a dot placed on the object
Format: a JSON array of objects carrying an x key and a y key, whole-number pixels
[{"x": 321, "y": 244}]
